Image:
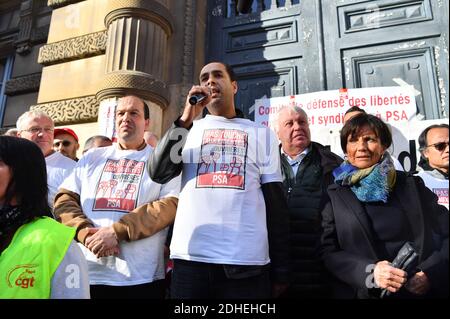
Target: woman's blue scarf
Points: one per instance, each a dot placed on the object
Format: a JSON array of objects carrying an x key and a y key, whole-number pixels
[{"x": 371, "y": 184}]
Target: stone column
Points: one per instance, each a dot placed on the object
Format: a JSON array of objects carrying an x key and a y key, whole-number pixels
[{"x": 136, "y": 53}]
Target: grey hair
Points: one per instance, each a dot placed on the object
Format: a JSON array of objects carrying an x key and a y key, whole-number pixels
[
  {"x": 296, "y": 109},
  {"x": 28, "y": 114},
  {"x": 11, "y": 132}
]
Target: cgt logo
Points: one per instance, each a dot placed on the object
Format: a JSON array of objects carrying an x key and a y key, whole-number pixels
[{"x": 22, "y": 276}]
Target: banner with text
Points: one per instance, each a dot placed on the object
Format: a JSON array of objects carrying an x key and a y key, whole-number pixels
[{"x": 326, "y": 109}]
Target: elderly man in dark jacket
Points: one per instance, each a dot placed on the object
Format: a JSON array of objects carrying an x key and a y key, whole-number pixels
[{"x": 307, "y": 172}]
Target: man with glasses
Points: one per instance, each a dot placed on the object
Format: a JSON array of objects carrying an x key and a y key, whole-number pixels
[
  {"x": 433, "y": 145},
  {"x": 38, "y": 127},
  {"x": 66, "y": 142}
]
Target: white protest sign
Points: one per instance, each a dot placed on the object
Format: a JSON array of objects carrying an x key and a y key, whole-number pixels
[
  {"x": 326, "y": 109},
  {"x": 107, "y": 117}
]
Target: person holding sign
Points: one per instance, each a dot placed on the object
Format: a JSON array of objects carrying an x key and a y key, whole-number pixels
[{"x": 373, "y": 211}]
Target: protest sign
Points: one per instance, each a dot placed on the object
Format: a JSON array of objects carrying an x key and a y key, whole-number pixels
[{"x": 326, "y": 109}]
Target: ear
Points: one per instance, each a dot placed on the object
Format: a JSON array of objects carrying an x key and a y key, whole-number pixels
[
  {"x": 147, "y": 124},
  {"x": 235, "y": 87},
  {"x": 425, "y": 153}
]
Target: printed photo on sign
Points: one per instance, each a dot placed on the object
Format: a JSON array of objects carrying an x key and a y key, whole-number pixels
[
  {"x": 222, "y": 159},
  {"x": 442, "y": 194},
  {"x": 118, "y": 187}
]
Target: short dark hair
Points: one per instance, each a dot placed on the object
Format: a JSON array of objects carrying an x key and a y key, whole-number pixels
[
  {"x": 354, "y": 109},
  {"x": 28, "y": 176},
  {"x": 146, "y": 110},
  {"x": 146, "y": 107},
  {"x": 352, "y": 127},
  {"x": 423, "y": 143},
  {"x": 228, "y": 68}
]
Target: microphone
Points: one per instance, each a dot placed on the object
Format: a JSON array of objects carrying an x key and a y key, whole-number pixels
[{"x": 196, "y": 98}]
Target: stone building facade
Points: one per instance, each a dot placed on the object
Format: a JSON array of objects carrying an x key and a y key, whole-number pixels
[
  {"x": 74, "y": 58},
  {"x": 97, "y": 51}
]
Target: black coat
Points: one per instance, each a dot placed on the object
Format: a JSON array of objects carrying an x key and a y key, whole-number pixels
[
  {"x": 348, "y": 247},
  {"x": 307, "y": 196}
]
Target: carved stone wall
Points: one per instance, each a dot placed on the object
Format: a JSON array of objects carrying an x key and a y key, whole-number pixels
[
  {"x": 136, "y": 53},
  {"x": 137, "y": 83},
  {"x": 61, "y": 3},
  {"x": 23, "y": 42},
  {"x": 30, "y": 30},
  {"x": 149, "y": 10},
  {"x": 188, "y": 57},
  {"x": 39, "y": 35},
  {"x": 73, "y": 49},
  {"x": 73, "y": 111},
  {"x": 23, "y": 84}
]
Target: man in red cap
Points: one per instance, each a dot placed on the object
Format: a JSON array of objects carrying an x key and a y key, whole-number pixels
[{"x": 66, "y": 142}]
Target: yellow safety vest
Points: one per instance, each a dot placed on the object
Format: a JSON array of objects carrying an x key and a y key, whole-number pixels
[{"x": 28, "y": 264}]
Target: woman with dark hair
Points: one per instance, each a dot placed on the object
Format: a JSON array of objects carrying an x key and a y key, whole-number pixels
[
  {"x": 38, "y": 257},
  {"x": 373, "y": 212}
]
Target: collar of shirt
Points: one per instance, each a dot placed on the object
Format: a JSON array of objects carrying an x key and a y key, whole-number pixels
[{"x": 297, "y": 160}]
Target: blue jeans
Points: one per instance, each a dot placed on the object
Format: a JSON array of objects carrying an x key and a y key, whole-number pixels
[{"x": 195, "y": 280}]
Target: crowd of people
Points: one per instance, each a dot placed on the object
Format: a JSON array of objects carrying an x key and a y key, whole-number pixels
[{"x": 237, "y": 210}]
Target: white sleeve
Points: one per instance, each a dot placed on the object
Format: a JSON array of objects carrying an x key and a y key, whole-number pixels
[
  {"x": 171, "y": 188},
  {"x": 73, "y": 181},
  {"x": 71, "y": 279},
  {"x": 270, "y": 170},
  {"x": 70, "y": 166}
]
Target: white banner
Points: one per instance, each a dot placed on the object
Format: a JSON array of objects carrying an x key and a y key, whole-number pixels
[
  {"x": 326, "y": 109},
  {"x": 107, "y": 117}
]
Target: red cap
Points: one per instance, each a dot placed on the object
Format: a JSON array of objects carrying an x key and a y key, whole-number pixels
[{"x": 65, "y": 130}]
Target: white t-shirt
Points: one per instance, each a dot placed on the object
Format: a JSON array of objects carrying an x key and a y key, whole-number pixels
[
  {"x": 71, "y": 279},
  {"x": 59, "y": 167},
  {"x": 437, "y": 185},
  {"x": 111, "y": 182},
  {"x": 221, "y": 215}
]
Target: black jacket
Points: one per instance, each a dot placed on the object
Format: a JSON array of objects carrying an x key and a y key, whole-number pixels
[
  {"x": 348, "y": 247},
  {"x": 307, "y": 195},
  {"x": 165, "y": 163}
]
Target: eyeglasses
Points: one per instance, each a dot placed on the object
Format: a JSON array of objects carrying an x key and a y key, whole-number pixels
[
  {"x": 64, "y": 143},
  {"x": 439, "y": 146},
  {"x": 36, "y": 130}
]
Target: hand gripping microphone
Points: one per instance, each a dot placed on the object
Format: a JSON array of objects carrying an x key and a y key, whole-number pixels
[{"x": 196, "y": 98}]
